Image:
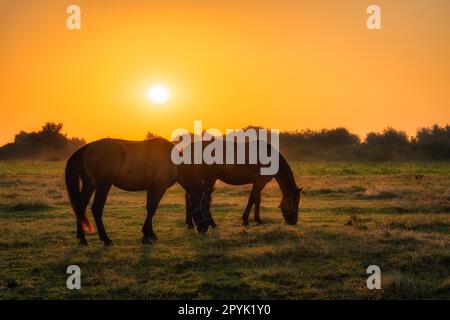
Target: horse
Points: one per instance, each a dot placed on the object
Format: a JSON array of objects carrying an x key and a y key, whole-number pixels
[
  {"x": 247, "y": 173},
  {"x": 193, "y": 176},
  {"x": 131, "y": 166}
]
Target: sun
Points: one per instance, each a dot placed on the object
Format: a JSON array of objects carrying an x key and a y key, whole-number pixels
[{"x": 158, "y": 94}]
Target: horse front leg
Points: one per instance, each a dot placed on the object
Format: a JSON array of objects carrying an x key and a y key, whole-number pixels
[
  {"x": 254, "y": 199},
  {"x": 259, "y": 187},
  {"x": 247, "y": 212},
  {"x": 153, "y": 198},
  {"x": 257, "y": 204},
  {"x": 213, "y": 224}
]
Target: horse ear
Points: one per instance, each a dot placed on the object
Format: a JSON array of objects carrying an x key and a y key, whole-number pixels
[
  {"x": 299, "y": 189},
  {"x": 212, "y": 190}
]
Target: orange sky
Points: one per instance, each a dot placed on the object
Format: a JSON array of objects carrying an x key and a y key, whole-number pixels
[{"x": 281, "y": 64}]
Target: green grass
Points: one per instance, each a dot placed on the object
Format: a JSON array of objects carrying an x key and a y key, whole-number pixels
[{"x": 353, "y": 215}]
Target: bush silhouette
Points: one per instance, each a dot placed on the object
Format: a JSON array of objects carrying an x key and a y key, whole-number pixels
[
  {"x": 326, "y": 144},
  {"x": 390, "y": 144},
  {"x": 433, "y": 142},
  {"x": 47, "y": 144}
]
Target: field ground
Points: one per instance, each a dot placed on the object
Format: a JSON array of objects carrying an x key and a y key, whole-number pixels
[{"x": 353, "y": 215}]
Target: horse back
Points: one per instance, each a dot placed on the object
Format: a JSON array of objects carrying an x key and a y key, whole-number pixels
[{"x": 130, "y": 165}]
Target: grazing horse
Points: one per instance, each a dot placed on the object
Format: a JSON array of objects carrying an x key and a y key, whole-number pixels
[
  {"x": 131, "y": 166},
  {"x": 193, "y": 177},
  {"x": 240, "y": 174}
]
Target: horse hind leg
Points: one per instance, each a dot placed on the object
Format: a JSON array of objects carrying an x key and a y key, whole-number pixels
[
  {"x": 101, "y": 193},
  {"x": 86, "y": 193}
]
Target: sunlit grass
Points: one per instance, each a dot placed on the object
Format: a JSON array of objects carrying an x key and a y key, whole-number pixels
[{"x": 398, "y": 213}]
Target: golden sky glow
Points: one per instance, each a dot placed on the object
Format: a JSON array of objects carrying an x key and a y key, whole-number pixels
[{"x": 280, "y": 64}]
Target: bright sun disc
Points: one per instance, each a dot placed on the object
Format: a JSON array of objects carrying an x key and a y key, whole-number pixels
[{"x": 158, "y": 94}]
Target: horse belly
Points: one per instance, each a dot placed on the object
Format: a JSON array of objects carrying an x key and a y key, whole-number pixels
[
  {"x": 134, "y": 179},
  {"x": 238, "y": 174},
  {"x": 131, "y": 184}
]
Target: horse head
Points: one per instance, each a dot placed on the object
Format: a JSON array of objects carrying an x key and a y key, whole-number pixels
[
  {"x": 199, "y": 205},
  {"x": 289, "y": 206}
]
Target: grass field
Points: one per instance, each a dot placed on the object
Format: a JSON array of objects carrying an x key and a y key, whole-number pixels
[{"x": 353, "y": 215}]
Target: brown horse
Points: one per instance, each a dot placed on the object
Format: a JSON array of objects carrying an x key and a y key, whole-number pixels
[
  {"x": 131, "y": 166},
  {"x": 240, "y": 174}
]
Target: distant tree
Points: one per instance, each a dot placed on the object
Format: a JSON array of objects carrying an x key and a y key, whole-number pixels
[
  {"x": 337, "y": 137},
  {"x": 51, "y": 128},
  {"x": 151, "y": 135},
  {"x": 21, "y": 137},
  {"x": 433, "y": 142},
  {"x": 390, "y": 144},
  {"x": 389, "y": 137},
  {"x": 51, "y": 135},
  {"x": 331, "y": 144},
  {"x": 256, "y": 129}
]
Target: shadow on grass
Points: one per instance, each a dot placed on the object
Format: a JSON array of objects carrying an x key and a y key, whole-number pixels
[
  {"x": 230, "y": 270},
  {"x": 437, "y": 226},
  {"x": 432, "y": 208}
]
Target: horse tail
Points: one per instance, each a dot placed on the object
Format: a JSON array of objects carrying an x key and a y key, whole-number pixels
[{"x": 74, "y": 169}]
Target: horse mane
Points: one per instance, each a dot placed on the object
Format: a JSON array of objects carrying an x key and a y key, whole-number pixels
[{"x": 285, "y": 177}]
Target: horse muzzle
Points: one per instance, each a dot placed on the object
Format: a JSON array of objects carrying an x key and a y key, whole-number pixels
[
  {"x": 203, "y": 226},
  {"x": 291, "y": 218},
  {"x": 202, "y": 221}
]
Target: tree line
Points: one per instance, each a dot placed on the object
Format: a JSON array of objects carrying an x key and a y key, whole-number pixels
[{"x": 429, "y": 143}]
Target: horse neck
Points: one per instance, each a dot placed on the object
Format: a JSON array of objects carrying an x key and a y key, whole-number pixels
[{"x": 285, "y": 178}]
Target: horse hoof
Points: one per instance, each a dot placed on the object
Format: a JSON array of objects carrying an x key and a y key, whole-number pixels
[
  {"x": 245, "y": 223},
  {"x": 82, "y": 243},
  {"x": 190, "y": 226},
  {"x": 107, "y": 243},
  {"x": 149, "y": 239},
  {"x": 259, "y": 222}
]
